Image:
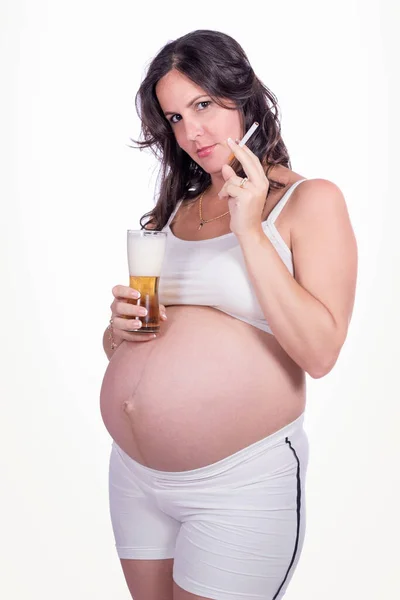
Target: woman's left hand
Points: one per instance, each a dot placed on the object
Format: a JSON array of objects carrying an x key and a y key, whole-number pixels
[{"x": 246, "y": 203}]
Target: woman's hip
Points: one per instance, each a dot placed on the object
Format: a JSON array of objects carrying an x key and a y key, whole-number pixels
[{"x": 279, "y": 459}]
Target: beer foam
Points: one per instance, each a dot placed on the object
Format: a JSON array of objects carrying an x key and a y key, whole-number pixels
[{"x": 146, "y": 254}]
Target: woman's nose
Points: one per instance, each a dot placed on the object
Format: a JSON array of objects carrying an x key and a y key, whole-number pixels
[{"x": 193, "y": 129}]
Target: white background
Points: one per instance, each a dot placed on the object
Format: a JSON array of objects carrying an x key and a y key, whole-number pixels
[{"x": 69, "y": 189}]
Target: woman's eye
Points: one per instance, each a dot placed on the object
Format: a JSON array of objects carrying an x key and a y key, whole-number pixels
[{"x": 206, "y": 102}]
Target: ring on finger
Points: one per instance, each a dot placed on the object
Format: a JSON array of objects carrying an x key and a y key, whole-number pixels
[{"x": 242, "y": 183}]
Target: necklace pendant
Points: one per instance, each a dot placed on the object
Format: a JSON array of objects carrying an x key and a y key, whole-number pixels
[{"x": 201, "y": 225}]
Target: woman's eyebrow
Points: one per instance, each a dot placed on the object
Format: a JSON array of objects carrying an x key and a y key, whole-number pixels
[{"x": 169, "y": 112}]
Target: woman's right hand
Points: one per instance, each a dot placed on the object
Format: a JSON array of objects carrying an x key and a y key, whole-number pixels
[{"x": 126, "y": 328}]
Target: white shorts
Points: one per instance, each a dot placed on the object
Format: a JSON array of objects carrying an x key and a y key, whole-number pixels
[{"x": 235, "y": 528}]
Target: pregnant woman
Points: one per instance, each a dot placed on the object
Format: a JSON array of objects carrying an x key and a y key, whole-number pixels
[{"x": 209, "y": 455}]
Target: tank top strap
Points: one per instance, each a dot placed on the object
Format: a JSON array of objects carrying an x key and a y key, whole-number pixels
[
  {"x": 174, "y": 213},
  {"x": 279, "y": 205}
]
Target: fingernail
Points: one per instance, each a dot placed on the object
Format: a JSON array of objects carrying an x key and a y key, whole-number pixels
[
  {"x": 164, "y": 316},
  {"x": 135, "y": 294},
  {"x": 230, "y": 141}
]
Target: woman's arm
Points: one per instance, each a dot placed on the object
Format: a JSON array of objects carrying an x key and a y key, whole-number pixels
[{"x": 309, "y": 313}]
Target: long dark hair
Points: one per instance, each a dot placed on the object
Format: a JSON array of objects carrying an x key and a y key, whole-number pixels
[{"x": 218, "y": 64}]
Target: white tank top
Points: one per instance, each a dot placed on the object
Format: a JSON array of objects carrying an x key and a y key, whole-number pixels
[{"x": 213, "y": 272}]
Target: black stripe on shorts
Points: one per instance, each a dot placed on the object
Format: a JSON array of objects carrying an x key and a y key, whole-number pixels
[{"x": 298, "y": 516}]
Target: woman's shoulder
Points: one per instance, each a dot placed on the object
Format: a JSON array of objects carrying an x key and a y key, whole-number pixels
[
  {"x": 318, "y": 201},
  {"x": 312, "y": 199},
  {"x": 309, "y": 188},
  {"x": 315, "y": 191}
]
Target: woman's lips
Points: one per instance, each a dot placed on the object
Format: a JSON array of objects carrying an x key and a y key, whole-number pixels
[{"x": 206, "y": 151}]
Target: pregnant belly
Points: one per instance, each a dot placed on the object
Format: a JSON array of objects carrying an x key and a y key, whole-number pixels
[{"x": 206, "y": 387}]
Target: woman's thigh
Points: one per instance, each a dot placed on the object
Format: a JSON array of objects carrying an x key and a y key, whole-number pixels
[
  {"x": 141, "y": 530},
  {"x": 245, "y": 540},
  {"x": 149, "y": 579}
]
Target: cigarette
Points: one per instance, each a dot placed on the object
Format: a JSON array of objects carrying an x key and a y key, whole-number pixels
[
  {"x": 245, "y": 138},
  {"x": 248, "y": 135}
]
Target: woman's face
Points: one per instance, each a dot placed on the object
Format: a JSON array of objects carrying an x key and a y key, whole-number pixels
[{"x": 197, "y": 121}]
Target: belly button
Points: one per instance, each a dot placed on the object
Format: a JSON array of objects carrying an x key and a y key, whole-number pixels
[{"x": 128, "y": 407}]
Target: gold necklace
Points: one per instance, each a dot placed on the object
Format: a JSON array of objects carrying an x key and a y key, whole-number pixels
[{"x": 203, "y": 221}]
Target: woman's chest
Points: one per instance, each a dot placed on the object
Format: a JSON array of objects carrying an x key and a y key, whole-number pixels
[
  {"x": 214, "y": 273},
  {"x": 186, "y": 225}
]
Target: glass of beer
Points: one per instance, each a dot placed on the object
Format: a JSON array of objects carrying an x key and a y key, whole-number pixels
[{"x": 146, "y": 249}]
